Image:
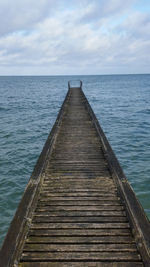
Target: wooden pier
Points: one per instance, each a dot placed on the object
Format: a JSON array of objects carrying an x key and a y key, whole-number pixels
[{"x": 78, "y": 208}]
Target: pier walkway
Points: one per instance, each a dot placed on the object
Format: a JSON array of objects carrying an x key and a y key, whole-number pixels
[{"x": 78, "y": 208}]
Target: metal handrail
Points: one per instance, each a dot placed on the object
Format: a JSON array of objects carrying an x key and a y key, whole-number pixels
[{"x": 69, "y": 83}]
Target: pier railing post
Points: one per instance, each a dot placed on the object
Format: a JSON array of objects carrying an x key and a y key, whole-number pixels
[
  {"x": 69, "y": 85},
  {"x": 73, "y": 82}
]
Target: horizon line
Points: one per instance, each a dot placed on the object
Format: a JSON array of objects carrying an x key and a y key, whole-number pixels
[{"x": 55, "y": 75}]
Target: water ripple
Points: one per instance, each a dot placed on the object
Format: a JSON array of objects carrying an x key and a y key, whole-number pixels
[{"x": 28, "y": 109}]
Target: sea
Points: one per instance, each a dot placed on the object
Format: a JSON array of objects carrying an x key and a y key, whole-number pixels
[{"x": 28, "y": 109}]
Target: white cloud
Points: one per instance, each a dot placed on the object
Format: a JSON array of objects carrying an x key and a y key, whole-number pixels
[
  {"x": 138, "y": 24},
  {"x": 99, "y": 9},
  {"x": 83, "y": 37},
  {"x": 22, "y": 15}
]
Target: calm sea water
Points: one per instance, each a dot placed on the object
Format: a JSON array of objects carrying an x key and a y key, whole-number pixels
[{"x": 28, "y": 109}]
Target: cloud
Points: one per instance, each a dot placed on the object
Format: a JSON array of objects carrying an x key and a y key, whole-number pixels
[
  {"x": 22, "y": 15},
  {"x": 99, "y": 9},
  {"x": 138, "y": 24},
  {"x": 75, "y": 38}
]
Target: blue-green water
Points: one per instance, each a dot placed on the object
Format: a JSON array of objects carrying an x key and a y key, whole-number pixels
[{"x": 28, "y": 109}]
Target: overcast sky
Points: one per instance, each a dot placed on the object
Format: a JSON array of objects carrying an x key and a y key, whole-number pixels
[{"x": 52, "y": 37}]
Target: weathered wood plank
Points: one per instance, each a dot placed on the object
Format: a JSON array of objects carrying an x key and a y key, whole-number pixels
[
  {"x": 81, "y": 199},
  {"x": 79, "y": 213},
  {"x": 81, "y": 264},
  {"x": 43, "y": 202},
  {"x": 60, "y": 187},
  {"x": 106, "y": 239},
  {"x": 46, "y": 195},
  {"x": 73, "y": 225},
  {"x": 79, "y": 232},
  {"x": 96, "y": 180},
  {"x": 76, "y": 162},
  {"x": 82, "y": 185},
  {"x": 41, "y": 208},
  {"x": 77, "y": 174},
  {"x": 101, "y": 256},
  {"x": 79, "y": 248},
  {"x": 81, "y": 219}
]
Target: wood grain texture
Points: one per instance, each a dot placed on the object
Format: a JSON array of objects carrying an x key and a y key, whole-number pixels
[
  {"x": 79, "y": 213},
  {"x": 80, "y": 218},
  {"x": 81, "y": 264}
]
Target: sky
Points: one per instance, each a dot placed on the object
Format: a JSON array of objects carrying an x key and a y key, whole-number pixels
[{"x": 74, "y": 37}]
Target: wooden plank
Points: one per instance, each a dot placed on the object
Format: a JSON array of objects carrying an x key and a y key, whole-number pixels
[
  {"x": 79, "y": 173},
  {"x": 43, "y": 202},
  {"x": 96, "y": 180},
  {"x": 60, "y": 188},
  {"x": 68, "y": 188},
  {"x": 82, "y": 177},
  {"x": 82, "y": 182},
  {"x": 79, "y": 232},
  {"x": 79, "y": 247},
  {"x": 82, "y": 185},
  {"x": 78, "y": 164},
  {"x": 82, "y": 169},
  {"x": 79, "y": 213},
  {"x": 81, "y": 199},
  {"x": 81, "y": 264},
  {"x": 76, "y": 225},
  {"x": 80, "y": 219},
  {"x": 80, "y": 194},
  {"x": 42, "y": 208},
  {"x": 117, "y": 239},
  {"x": 101, "y": 256},
  {"x": 101, "y": 165},
  {"x": 63, "y": 189},
  {"x": 48, "y": 195},
  {"x": 78, "y": 181}
]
